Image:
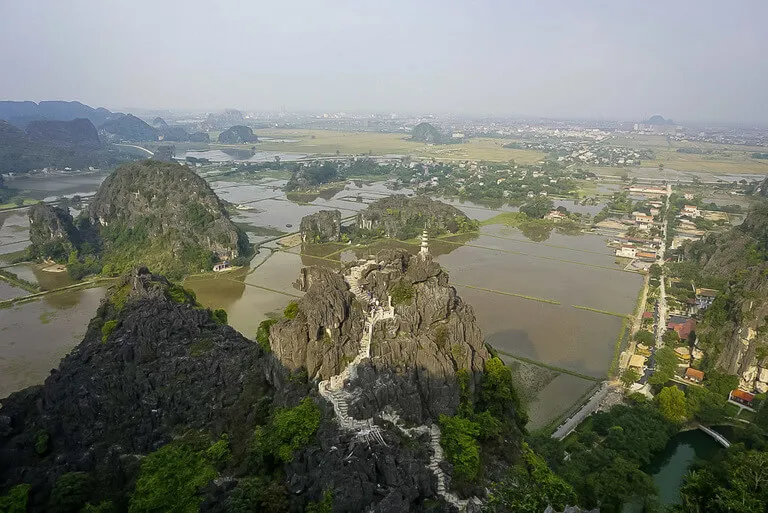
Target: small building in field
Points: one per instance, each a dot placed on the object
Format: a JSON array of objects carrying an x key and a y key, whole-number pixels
[
  {"x": 691, "y": 211},
  {"x": 555, "y": 216},
  {"x": 221, "y": 266},
  {"x": 694, "y": 375},
  {"x": 741, "y": 398}
]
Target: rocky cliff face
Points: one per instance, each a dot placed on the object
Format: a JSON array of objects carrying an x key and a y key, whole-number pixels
[
  {"x": 414, "y": 357},
  {"x": 237, "y": 134},
  {"x": 52, "y": 232},
  {"x": 402, "y": 217},
  {"x": 172, "y": 205},
  {"x": 321, "y": 227},
  {"x": 154, "y": 365},
  {"x": 734, "y": 328},
  {"x": 165, "y": 366}
]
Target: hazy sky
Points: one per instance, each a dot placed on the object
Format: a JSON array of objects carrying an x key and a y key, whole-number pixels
[{"x": 616, "y": 59}]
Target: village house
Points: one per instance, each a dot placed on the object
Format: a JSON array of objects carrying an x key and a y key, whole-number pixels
[
  {"x": 648, "y": 256},
  {"x": 645, "y": 189},
  {"x": 654, "y": 211},
  {"x": 694, "y": 375},
  {"x": 741, "y": 398},
  {"x": 684, "y": 326},
  {"x": 555, "y": 216},
  {"x": 637, "y": 362},
  {"x": 705, "y": 298},
  {"x": 683, "y": 354},
  {"x": 222, "y": 266},
  {"x": 691, "y": 211},
  {"x": 626, "y": 251},
  {"x": 643, "y": 350},
  {"x": 641, "y": 217}
]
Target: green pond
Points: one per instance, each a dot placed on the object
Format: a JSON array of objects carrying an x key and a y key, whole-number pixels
[{"x": 669, "y": 467}]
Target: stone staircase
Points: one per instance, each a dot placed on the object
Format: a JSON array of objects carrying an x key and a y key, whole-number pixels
[{"x": 333, "y": 391}]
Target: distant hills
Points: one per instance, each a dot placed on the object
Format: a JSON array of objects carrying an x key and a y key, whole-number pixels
[
  {"x": 20, "y": 114},
  {"x": 658, "y": 120},
  {"x": 128, "y": 128},
  {"x": 237, "y": 134},
  {"x": 46, "y": 143}
]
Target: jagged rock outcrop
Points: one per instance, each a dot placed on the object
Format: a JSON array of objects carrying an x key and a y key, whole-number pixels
[
  {"x": 762, "y": 189},
  {"x": 237, "y": 134},
  {"x": 425, "y": 132},
  {"x": 164, "y": 153},
  {"x": 734, "y": 329},
  {"x": 154, "y": 365},
  {"x": 414, "y": 358},
  {"x": 165, "y": 367},
  {"x": 52, "y": 232},
  {"x": 174, "y": 214},
  {"x": 321, "y": 227},
  {"x": 403, "y": 217}
]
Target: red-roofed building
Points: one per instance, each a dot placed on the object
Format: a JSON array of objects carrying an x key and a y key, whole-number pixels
[
  {"x": 741, "y": 397},
  {"x": 694, "y": 375},
  {"x": 683, "y": 329},
  {"x": 647, "y": 315}
]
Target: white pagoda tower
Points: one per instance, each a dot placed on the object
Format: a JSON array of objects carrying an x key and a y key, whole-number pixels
[{"x": 424, "y": 251}]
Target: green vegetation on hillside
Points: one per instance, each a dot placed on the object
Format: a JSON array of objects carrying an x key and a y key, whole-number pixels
[{"x": 172, "y": 478}]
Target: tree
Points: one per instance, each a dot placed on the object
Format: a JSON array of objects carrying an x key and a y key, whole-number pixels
[
  {"x": 670, "y": 338},
  {"x": 537, "y": 207},
  {"x": 530, "y": 487},
  {"x": 666, "y": 365},
  {"x": 170, "y": 479},
  {"x": 459, "y": 439},
  {"x": 672, "y": 404},
  {"x": 645, "y": 337},
  {"x": 629, "y": 376},
  {"x": 655, "y": 271},
  {"x": 739, "y": 484}
]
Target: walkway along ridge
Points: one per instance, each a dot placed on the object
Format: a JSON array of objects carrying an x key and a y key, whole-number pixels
[{"x": 334, "y": 391}]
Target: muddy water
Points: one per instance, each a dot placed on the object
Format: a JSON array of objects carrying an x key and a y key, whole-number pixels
[
  {"x": 35, "y": 336},
  {"x": 8, "y": 291},
  {"x": 47, "y": 280},
  {"x": 49, "y": 187}
]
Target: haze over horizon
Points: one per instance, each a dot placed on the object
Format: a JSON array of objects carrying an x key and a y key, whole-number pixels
[{"x": 687, "y": 60}]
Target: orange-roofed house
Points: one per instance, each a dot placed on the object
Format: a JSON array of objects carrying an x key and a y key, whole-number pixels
[
  {"x": 741, "y": 398},
  {"x": 684, "y": 328},
  {"x": 694, "y": 375}
]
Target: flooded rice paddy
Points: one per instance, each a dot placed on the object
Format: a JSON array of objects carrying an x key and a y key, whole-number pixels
[
  {"x": 529, "y": 297},
  {"x": 34, "y": 336}
]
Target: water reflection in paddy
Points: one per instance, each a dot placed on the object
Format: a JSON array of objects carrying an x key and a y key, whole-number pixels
[{"x": 35, "y": 336}]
